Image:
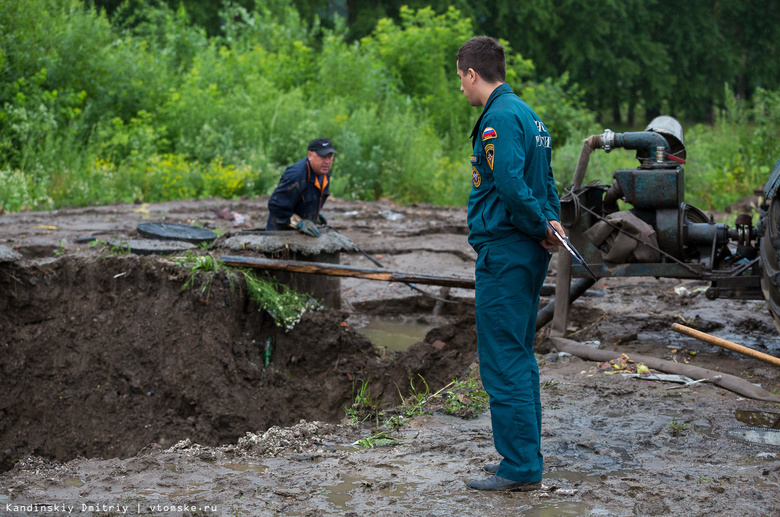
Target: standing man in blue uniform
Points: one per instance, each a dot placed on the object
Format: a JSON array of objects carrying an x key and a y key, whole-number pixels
[
  {"x": 302, "y": 191},
  {"x": 512, "y": 199}
]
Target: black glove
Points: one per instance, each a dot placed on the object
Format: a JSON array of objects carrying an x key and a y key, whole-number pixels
[
  {"x": 307, "y": 227},
  {"x": 321, "y": 220}
]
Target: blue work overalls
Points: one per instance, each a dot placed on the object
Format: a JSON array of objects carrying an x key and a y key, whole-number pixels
[{"x": 512, "y": 198}]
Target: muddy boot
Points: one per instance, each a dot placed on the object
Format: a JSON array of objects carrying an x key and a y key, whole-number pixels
[
  {"x": 497, "y": 483},
  {"x": 491, "y": 468}
]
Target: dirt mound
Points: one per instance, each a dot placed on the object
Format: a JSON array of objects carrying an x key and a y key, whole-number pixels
[{"x": 103, "y": 356}]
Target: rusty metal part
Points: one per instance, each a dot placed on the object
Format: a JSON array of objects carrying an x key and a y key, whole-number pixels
[
  {"x": 707, "y": 338},
  {"x": 321, "y": 268},
  {"x": 411, "y": 286},
  {"x": 659, "y": 250}
]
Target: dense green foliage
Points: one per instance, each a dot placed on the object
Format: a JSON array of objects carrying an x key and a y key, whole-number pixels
[
  {"x": 627, "y": 55},
  {"x": 148, "y": 105}
]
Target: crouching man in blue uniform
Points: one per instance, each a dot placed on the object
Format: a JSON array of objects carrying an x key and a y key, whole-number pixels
[
  {"x": 302, "y": 191},
  {"x": 512, "y": 199}
]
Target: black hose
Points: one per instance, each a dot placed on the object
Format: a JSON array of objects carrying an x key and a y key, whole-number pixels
[{"x": 544, "y": 316}]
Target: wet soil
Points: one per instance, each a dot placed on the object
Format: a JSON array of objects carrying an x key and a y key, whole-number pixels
[{"x": 123, "y": 391}]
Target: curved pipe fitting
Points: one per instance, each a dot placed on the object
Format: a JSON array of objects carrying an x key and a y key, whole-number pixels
[
  {"x": 642, "y": 140},
  {"x": 647, "y": 141},
  {"x": 614, "y": 193}
]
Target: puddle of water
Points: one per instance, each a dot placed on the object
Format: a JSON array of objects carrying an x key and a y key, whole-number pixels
[
  {"x": 341, "y": 446},
  {"x": 243, "y": 467},
  {"x": 759, "y": 418},
  {"x": 189, "y": 490},
  {"x": 74, "y": 482},
  {"x": 576, "y": 476},
  {"x": 562, "y": 508},
  {"x": 185, "y": 493},
  {"x": 394, "y": 334},
  {"x": 171, "y": 466},
  {"x": 340, "y": 495},
  {"x": 572, "y": 476}
]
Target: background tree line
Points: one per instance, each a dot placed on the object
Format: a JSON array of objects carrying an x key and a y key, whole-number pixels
[
  {"x": 650, "y": 56},
  {"x": 102, "y": 101}
]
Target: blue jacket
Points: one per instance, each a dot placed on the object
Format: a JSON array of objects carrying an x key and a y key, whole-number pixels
[
  {"x": 513, "y": 194},
  {"x": 300, "y": 191}
]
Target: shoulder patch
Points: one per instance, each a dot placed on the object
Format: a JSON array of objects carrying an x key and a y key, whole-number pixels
[
  {"x": 490, "y": 154},
  {"x": 475, "y": 177},
  {"x": 488, "y": 133}
]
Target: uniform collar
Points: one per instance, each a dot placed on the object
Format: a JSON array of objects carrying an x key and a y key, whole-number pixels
[
  {"x": 500, "y": 90},
  {"x": 316, "y": 181}
]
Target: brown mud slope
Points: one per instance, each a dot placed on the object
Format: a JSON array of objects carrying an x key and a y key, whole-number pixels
[{"x": 103, "y": 356}]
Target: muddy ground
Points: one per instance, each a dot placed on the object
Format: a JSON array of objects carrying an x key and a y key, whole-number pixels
[{"x": 121, "y": 391}]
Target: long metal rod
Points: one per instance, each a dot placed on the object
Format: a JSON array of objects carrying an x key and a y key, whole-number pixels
[
  {"x": 321, "y": 268},
  {"x": 377, "y": 264}
]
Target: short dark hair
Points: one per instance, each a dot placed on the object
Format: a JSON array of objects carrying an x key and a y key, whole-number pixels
[{"x": 486, "y": 56}]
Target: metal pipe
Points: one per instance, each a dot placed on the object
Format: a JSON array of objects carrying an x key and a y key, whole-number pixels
[
  {"x": 615, "y": 192},
  {"x": 642, "y": 140},
  {"x": 653, "y": 143},
  {"x": 590, "y": 143},
  {"x": 578, "y": 288}
]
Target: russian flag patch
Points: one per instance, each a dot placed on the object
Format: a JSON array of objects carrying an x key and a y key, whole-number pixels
[{"x": 488, "y": 133}]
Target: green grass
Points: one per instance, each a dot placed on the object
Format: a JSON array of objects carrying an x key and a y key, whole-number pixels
[
  {"x": 283, "y": 303},
  {"x": 462, "y": 398}
]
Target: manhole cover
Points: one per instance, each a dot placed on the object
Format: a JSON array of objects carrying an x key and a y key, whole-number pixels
[
  {"x": 151, "y": 246},
  {"x": 176, "y": 232}
]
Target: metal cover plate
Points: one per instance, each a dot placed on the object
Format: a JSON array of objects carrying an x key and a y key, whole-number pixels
[{"x": 176, "y": 232}]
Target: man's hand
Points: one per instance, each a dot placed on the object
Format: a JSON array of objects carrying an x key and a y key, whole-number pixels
[
  {"x": 307, "y": 227},
  {"x": 304, "y": 226},
  {"x": 551, "y": 240}
]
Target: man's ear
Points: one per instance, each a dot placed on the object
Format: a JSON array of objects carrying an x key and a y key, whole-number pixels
[{"x": 473, "y": 75}]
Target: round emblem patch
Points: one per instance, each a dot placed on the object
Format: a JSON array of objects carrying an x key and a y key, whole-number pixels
[{"x": 475, "y": 177}]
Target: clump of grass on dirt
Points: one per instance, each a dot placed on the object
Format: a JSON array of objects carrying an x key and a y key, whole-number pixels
[
  {"x": 283, "y": 303},
  {"x": 677, "y": 428},
  {"x": 466, "y": 399},
  {"x": 462, "y": 398}
]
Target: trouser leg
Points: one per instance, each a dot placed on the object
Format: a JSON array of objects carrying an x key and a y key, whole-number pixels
[{"x": 509, "y": 279}]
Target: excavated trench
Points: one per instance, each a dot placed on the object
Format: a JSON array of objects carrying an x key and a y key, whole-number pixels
[{"x": 103, "y": 356}]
